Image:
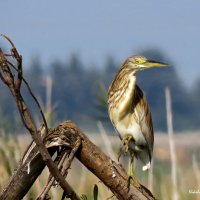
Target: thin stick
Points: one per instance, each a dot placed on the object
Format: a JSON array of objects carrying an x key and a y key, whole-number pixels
[
  {"x": 32, "y": 95},
  {"x": 150, "y": 177},
  {"x": 171, "y": 144},
  {"x": 51, "y": 181},
  {"x": 64, "y": 169},
  {"x": 71, "y": 157}
]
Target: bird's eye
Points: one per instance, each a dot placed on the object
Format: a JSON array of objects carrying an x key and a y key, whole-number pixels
[{"x": 137, "y": 61}]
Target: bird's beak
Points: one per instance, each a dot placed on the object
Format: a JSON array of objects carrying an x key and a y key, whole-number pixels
[{"x": 152, "y": 63}]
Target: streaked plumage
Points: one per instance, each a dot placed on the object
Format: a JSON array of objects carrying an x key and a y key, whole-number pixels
[{"x": 129, "y": 111}]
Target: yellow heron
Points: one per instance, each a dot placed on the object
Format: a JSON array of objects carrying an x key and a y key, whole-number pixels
[{"x": 129, "y": 111}]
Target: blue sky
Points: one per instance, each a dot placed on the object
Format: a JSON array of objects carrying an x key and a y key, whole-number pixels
[{"x": 95, "y": 29}]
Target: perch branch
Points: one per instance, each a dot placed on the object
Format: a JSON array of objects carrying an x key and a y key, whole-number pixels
[{"x": 109, "y": 172}]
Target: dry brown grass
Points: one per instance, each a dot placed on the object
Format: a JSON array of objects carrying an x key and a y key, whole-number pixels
[{"x": 188, "y": 162}]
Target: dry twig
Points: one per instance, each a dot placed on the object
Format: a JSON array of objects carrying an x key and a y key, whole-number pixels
[
  {"x": 62, "y": 168},
  {"x": 14, "y": 85}
]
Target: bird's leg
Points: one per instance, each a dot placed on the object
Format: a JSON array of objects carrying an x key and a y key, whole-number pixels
[
  {"x": 131, "y": 166},
  {"x": 119, "y": 153},
  {"x": 126, "y": 144},
  {"x": 131, "y": 169},
  {"x": 125, "y": 149}
]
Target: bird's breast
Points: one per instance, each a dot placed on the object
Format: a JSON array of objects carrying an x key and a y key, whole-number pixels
[{"x": 128, "y": 125}]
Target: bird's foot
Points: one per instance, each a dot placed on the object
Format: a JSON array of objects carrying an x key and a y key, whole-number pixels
[
  {"x": 125, "y": 142},
  {"x": 129, "y": 182},
  {"x": 131, "y": 175},
  {"x": 134, "y": 181},
  {"x": 125, "y": 146}
]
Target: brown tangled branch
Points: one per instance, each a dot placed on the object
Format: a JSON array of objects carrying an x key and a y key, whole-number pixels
[
  {"x": 15, "y": 85},
  {"x": 109, "y": 172},
  {"x": 62, "y": 168},
  {"x": 68, "y": 141}
]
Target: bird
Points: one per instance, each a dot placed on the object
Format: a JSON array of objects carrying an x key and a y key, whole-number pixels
[{"x": 129, "y": 111}]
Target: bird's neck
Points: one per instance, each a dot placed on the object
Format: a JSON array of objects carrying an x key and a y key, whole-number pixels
[
  {"x": 122, "y": 78},
  {"x": 122, "y": 91}
]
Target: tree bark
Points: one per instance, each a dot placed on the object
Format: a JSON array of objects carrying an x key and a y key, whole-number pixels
[
  {"x": 21, "y": 181},
  {"x": 109, "y": 172}
]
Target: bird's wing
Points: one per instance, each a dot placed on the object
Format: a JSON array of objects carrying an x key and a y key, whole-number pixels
[{"x": 143, "y": 114}]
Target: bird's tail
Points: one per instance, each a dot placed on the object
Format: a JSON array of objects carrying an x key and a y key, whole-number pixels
[
  {"x": 145, "y": 158},
  {"x": 147, "y": 166}
]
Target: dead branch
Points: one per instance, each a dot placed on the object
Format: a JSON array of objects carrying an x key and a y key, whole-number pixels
[
  {"x": 62, "y": 168},
  {"x": 14, "y": 85},
  {"x": 51, "y": 180},
  {"x": 71, "y": 140},
  {"x": 21, "y": 181},
  {"x": 110, "y": 173}
]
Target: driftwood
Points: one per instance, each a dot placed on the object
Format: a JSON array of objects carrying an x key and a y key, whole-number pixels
[{"x": 67, "y": 141}]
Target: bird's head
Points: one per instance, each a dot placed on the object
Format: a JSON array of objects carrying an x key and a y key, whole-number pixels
[{"x": 139, "y": 62}]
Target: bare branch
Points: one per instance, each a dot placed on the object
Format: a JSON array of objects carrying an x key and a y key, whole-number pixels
[
  {"x": 68, "y": 136},
  {"x": 25, "y": 82},
  {"x": 25, "y": 113},
  {"x": 51, "y": 182},
  {"x": 21, "y": 181},
  {"x": 109, "y": 172},
  {"x": 51, "y": 179}
]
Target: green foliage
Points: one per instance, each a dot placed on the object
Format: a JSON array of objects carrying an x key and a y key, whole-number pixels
[{"x": 95, "y": 194}]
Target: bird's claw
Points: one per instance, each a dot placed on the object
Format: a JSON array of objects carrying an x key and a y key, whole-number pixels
[
  {"x": 125, "y": 146},
  {"x": 125, "y": 142},
  {"x": 129, "y": 182}
]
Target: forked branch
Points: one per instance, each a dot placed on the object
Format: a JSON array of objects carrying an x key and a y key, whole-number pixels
[
  {"x": 14, "y": 85},
  {"x": 72, "y": 141}
]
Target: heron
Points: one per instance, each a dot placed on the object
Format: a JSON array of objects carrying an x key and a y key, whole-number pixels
[{"x": 129, "y": 111}]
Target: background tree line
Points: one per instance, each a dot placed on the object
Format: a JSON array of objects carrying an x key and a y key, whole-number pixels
[{"x": 79, "y": 93}]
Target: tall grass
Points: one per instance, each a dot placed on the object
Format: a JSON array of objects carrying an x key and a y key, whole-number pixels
[{"x": 12, "y": 148}]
